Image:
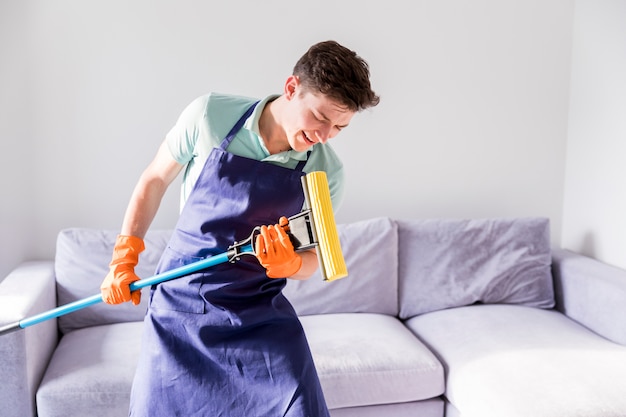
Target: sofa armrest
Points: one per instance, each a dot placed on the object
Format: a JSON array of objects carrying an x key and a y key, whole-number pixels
[
  {"x": 24, "y": 354},
  {"x": 591, "y": 292}
]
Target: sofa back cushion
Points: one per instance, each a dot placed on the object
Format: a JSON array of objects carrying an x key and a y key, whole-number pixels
[
  {"x": 445, "y": 263},
  {"x": 370, "y": 249},
  {"x": 81, "y": 263}
]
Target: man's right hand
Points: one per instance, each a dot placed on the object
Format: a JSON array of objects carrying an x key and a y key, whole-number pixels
[{"x": 115, "y": 288}]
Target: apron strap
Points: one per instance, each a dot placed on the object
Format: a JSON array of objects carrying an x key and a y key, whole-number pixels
[
  {"x": 231, "y": 135},
  {"x": 302, "y": 163}
]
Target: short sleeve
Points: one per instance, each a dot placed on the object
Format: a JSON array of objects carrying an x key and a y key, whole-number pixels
[
  {"x": 336, "y": 186},
  {"x": 324, "y": 158},
  {"x": 182, "y": 138}
]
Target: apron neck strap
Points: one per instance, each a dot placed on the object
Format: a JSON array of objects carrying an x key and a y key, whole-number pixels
[
  {"x": 231, "y": 135},
  {"x": 302, "y": 163}
]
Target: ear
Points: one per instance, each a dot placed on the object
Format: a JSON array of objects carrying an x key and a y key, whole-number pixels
[{"x": 291, "y": 86}]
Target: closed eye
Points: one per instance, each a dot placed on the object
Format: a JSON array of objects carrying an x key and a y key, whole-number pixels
[{"x": 322, "y": 118}]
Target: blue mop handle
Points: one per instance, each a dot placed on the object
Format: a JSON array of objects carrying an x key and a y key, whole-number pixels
[{"x": 156, "y": 279}]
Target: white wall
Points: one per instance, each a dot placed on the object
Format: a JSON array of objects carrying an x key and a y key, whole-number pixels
[
  {"x": 594, "y": 215},
  {"x": 472, "y": 123},
  {"x": 16, "y": 181}
]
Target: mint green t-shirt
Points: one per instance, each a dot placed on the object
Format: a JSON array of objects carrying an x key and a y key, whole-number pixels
[{"x": 207, "y": 120}]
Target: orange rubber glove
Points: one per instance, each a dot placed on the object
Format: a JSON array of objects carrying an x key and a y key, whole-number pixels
[
  {"x": 275, "y": 251},
  {"x": 116, "y": 285}
]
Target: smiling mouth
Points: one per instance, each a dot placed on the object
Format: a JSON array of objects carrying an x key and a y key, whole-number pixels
[{"x": 307, "y": 139}]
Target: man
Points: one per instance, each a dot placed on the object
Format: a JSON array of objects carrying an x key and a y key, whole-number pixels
[{"x": 225, "y": 341}]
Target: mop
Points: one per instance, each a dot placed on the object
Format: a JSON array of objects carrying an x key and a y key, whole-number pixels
[{"x": 314, "y": 227}]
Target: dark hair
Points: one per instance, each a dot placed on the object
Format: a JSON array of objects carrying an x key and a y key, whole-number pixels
[{"x": 337, "y": 72}]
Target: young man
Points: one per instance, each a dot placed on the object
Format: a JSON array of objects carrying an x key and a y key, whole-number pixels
[{"x": 225, "y": 341}]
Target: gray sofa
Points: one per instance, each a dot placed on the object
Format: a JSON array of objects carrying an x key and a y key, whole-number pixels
[{"x": 455, "y": 317}]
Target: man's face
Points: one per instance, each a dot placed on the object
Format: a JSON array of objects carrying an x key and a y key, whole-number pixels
[{"x": 313, "y": 118}]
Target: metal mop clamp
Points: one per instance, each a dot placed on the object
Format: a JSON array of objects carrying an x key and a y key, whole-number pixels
[
  {"x": 314, "y": 227},
  {"x": 300, "y": 230}
]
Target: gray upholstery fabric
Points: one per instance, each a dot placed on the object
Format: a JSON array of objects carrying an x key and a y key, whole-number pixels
[
  {"x": 81, "y": 263},
  {"x": 24, "y": 354},
  {"x": 451, "y": 263},
  {"x": 91, "y": 372},
  {"x": 517, "y": 361},
  {"x": 370, "y": 249},
  {"x": 366, "y": 359},
  {"x": 591, "y": 292},
  {"x": 427, "y": 408}
]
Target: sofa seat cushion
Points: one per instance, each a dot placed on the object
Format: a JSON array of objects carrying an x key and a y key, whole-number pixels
[
  {"x": 507, "y": 360},
  {"x": 366, "y": 359},
  {"x": 433, "y": 407},
  {"x": 91, "y": 372}
]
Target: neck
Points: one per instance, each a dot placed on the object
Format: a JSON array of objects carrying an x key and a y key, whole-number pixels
[{"x": 272, "y": 133}]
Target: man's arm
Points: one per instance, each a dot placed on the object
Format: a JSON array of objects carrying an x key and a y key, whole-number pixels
[
  {"x": 148, "y": 193},
  {"x": 143, "y": 206},
  {"x": 310, "y": 263}
]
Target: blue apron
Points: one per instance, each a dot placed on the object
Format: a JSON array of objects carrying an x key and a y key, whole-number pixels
[{"x": 225, "y": 341}]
